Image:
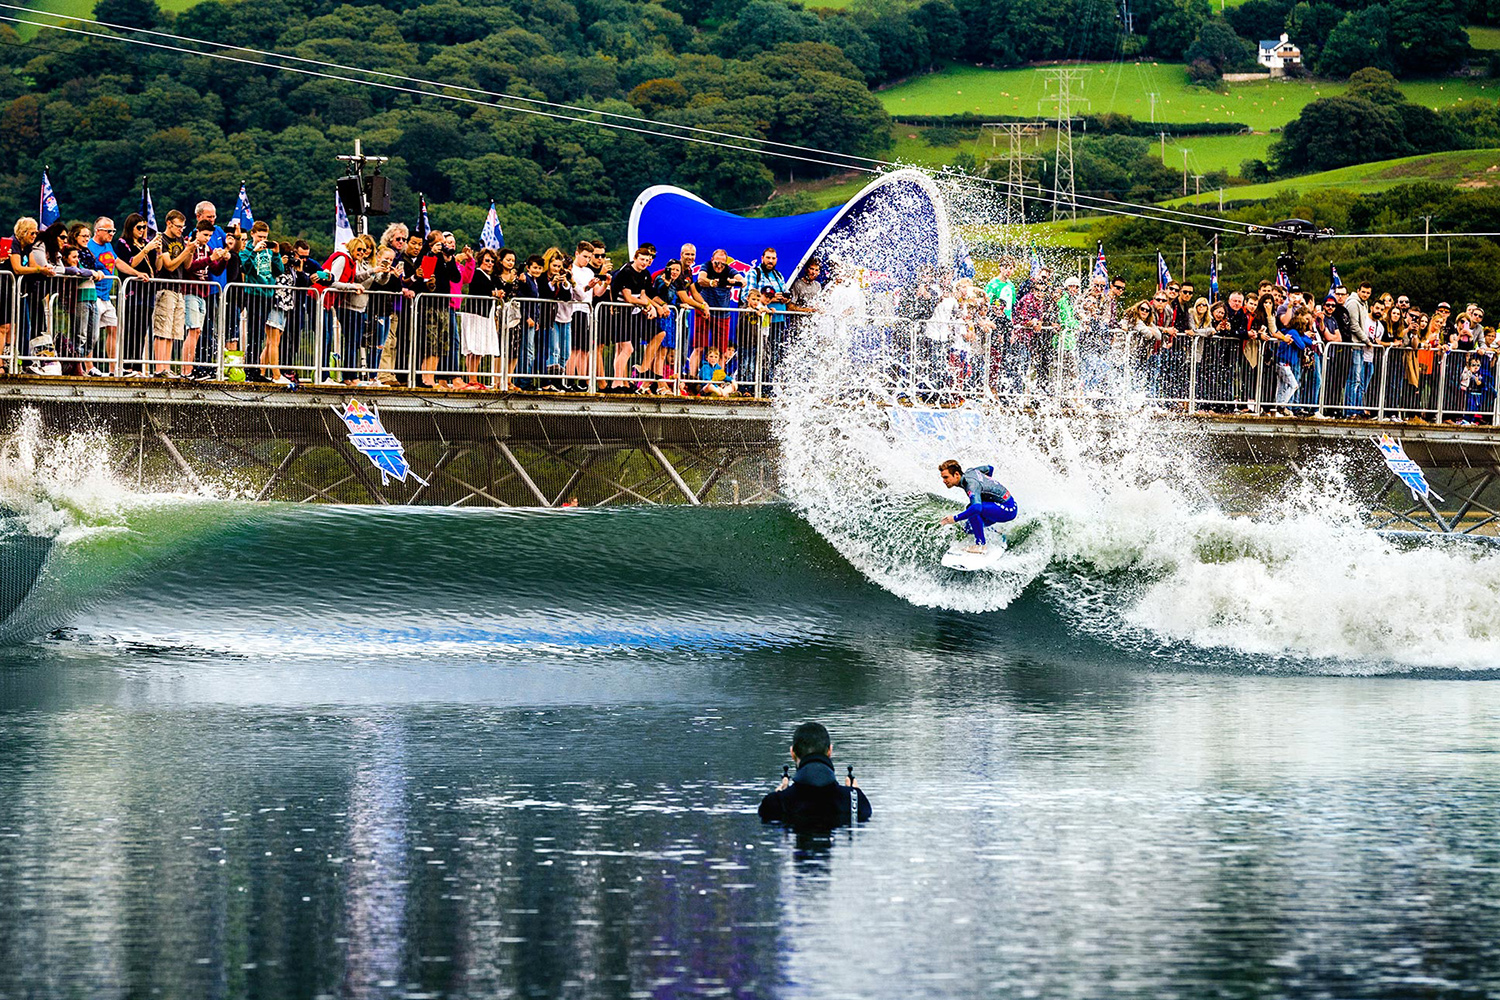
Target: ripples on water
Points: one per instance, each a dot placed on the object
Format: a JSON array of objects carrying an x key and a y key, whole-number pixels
[{"x": 397, "y": 753}]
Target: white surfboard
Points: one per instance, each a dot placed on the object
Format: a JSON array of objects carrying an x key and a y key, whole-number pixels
[{"x": 960, "y": 558}]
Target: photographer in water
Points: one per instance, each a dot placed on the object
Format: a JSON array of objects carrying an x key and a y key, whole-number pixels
[{"x": 813, "y": 796}]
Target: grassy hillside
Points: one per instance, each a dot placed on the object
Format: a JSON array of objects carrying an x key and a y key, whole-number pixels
[
  {"x": 84, "y": 8},
  {"x": 1467, "y": 167},
  {"x": 1123, "y": 88},
  {"x": 1216, "y": 152},
  {"x": 1484, "y": 38}
]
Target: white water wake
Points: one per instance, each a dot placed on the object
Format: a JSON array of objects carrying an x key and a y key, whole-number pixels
[
  {"x": 1143, "y": 550},
  {"x": 65, "y": 488}
]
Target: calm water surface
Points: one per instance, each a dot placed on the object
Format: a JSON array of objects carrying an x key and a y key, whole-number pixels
[{"x": 304, "y": 756}]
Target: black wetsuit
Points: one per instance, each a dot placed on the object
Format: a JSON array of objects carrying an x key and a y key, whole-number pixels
[{"x": 815, "y": 798}]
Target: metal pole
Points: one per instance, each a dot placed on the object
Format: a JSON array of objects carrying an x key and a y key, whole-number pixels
[
  {"x": 1442, "y": 386},
  {"x": 220, "y": 315},
  {"x": 1385, "y": 365},
  {"x": 1193, "y": 349},
  {"x": 1260, "y": 374},
  {"x": 1323, "y": 377},
  {"x": 593, "y": 349}
]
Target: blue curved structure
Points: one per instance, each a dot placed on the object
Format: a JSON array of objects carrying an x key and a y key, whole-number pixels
[{"x": 895, "y": 226}]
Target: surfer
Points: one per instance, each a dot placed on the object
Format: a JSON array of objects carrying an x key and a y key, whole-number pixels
[{"x": 989, "y": 502}]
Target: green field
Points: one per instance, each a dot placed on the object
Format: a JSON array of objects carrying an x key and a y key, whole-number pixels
[
  {"x": 1484, "y": 38},
  {"x": 1216, "y": 152},
  {"x": 83, "y": 8},
  {"x": 912, "y": 149},
  {"x": 1123, "y": 88},
  {"x": 1475, "y": 167}
]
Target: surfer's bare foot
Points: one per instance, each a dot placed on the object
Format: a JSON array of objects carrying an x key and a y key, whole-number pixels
[{"x": 977, "y": 550}]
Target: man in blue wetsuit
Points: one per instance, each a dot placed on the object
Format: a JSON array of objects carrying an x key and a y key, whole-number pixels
[{"x": 989, "y": 502}]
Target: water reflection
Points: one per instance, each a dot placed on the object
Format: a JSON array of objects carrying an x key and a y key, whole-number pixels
[{"x": 376, "y": 874}]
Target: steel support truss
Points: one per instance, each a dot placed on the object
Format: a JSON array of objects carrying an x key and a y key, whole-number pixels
[{"x": 1464, "y": 513}]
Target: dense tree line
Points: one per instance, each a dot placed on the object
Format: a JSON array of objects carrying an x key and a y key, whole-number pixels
[
  {"x": 1374, "y": 121},
  {"x": 101, "y": 115}
]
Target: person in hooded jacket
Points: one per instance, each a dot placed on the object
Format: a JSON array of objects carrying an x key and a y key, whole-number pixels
[{"x": 813, "y": 797}]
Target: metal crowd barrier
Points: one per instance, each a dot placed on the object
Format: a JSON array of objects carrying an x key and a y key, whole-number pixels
[{"x": 51, "y": 325}]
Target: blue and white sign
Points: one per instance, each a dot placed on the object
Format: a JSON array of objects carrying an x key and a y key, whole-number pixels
[
  {"x": 370, "y": 438},
  {"x": 1405, "y": 469}
]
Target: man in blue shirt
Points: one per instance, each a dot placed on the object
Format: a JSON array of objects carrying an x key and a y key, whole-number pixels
[
  {"x": 206, "y": 357},
  {"x": 772, "y": 285},
  {"x": 989, "y": 502},
  {"x": 102, "y": 246}
]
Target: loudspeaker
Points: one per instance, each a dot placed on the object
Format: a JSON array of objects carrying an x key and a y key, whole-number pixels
[
  {"x": 377, "y": 195},
  {"x": 351, "y": 195}
]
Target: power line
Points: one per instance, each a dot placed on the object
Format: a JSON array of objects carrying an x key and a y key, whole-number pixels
[
  {"x": 425, "y": 93},
  {"x": 403, "y": 78},
  {"x": 877, "y": 165},
  {"x": 522, "y": 110}
]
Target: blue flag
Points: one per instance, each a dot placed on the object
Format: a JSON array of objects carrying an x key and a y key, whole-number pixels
[
  {"x": 1036, "y": 265},
  {"x": 963, "y": 260},
  {"x": 1101, "y": 270},
  {"x": 242, "y": 214},
  {"x": 423, "y": 226},
  {"x": 1213, "y": 277},
  {"x": 491, "y": 236},
  {"x": 1334, "y": 280},
  {"x": 148, "y": 211},
  {"x": 342, "y": 231},
  {"x": 1282, "y": 281},
  {"x": 49, "y": 212},
  {"x": 1163, "y": 276}
]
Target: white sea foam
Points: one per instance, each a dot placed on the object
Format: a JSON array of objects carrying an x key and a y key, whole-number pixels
[
  {"x": 66, "y": 487},
  {"x": 1151, "y": 544}
]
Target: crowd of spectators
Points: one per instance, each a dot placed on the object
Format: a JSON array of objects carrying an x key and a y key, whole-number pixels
[
  {"x": 1279, "y": 349},
  {"x": 425, "y": 311}
]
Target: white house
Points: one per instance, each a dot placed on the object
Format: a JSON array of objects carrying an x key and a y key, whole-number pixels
[{"x": 1277, "y": 54}]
